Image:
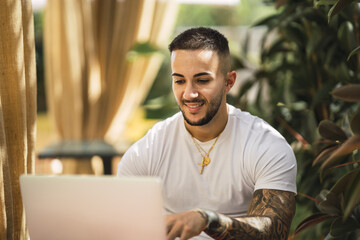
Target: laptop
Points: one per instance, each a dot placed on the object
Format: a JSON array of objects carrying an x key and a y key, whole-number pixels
[{"x": 93, "y": 207}]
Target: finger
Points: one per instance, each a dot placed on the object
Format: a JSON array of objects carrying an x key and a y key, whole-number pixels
[
  {"x": 187, "y": 233},
  {"x": 173, "y": 232},
  {"x": 169, "y": 223}
]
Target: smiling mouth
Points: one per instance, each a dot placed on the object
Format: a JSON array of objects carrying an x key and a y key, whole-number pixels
[{"x": 193, "y": 106}]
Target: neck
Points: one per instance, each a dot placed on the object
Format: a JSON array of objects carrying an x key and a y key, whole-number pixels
[{"x": 212, "y": 129}]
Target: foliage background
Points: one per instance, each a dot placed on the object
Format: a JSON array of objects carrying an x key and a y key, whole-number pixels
[{"x": 308, "y": 50}]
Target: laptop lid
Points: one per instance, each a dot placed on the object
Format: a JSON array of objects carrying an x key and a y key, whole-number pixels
[{"x": 92, "y": 207}]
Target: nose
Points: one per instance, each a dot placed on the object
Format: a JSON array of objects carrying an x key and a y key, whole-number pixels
[{"x": 190, "y": 92}]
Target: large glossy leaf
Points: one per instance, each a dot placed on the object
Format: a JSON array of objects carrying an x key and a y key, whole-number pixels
[
  {"x": 312, "y": 220},
  {"x": 331, "y": 204},
  {"x": 350, "y": 145},
  {"x": 324, "y": 153},
  {"x": 348, "y": 93},
  {"x": 331, "y": 131},
  {"x": 352, "y": 196},
  {"x": 340, "y": 5},
  {"x": 340, "y": 227},
  {"x": 355, "y": 122},
  {"x": 344, "y": 181}
]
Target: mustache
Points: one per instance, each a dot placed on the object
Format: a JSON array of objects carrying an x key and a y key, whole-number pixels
[{"x": 193, "y": 101}]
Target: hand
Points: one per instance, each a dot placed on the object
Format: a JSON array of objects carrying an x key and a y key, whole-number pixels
[{"x": 184, "y": 225}]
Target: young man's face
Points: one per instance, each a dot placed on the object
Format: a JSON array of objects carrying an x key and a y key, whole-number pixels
[{"x": 198, "y": 84}]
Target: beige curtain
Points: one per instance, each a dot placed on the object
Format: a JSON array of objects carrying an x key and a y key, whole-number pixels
[
  {"x": 17, "y": 111},
  {"x": 88, "y": 76}
]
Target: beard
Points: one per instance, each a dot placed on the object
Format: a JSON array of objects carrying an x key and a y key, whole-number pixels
[{"x": 213, "y": 105}]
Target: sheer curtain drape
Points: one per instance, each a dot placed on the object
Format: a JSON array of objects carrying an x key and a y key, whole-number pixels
[
  {"x": 91, "y": 85},
  {"x": 17, "y": 111}
]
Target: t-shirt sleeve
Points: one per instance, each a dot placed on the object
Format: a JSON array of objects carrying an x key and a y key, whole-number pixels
[
  {"x": 133, "y": 162},
  {"x": 277, "y": 169},
  {"x": 275, "y": 163}
]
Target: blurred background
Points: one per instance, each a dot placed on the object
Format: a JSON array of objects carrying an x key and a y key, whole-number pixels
[
  {"x": 153, "y": 97},
  {"x": 103, "y": 80}
]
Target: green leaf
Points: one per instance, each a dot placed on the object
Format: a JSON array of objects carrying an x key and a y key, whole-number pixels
[
  {"x": 352, "y": 196},
  {"x": 299, "y": 106},
  {"x": 346, "y": 35},
  {"x": 340, "y": 5},
  {"x": 348, "y": 93},
  {"x": 313, "y": 16},
  {"x": 350, "y": 145},
  {"x": 324, "y": 2},
  {"x": 277, "y": 47},
  {"x": 267, "y": 21},
  {"x": 312, "y": 220},
  {"x": 295, "y": 33},
  {"x": 340, "y": 227},
  {"x": 330, "y": 54},
  {"x": 353, "y": 52},
  {"x": 142, "y": 49},
  {"x": 355, "y": 122},
  {"x": 331, "y": 131}
]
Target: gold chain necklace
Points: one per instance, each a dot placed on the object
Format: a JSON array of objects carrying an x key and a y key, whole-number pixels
[{"x": 205, "y": 159}]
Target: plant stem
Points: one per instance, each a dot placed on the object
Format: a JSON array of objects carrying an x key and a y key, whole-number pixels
[
  {"x": 292, "y": 131},
  {"x": 308, "y": 197},
  {"x": 345, "y": 164}
]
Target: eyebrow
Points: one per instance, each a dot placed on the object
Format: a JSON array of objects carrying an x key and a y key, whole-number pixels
[{"x": 196, "y": 75}]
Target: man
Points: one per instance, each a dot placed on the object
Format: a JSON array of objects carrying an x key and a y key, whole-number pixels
[{"x": 226, "y": 173}]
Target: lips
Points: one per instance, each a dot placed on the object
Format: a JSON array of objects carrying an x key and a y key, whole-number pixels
[{"x": 193, "y": 107}]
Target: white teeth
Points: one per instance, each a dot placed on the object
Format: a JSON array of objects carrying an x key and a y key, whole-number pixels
[{"x": 194, "y": 106}]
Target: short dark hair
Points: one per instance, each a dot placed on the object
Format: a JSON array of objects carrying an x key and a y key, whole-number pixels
[{"x": 205, "y": 39}]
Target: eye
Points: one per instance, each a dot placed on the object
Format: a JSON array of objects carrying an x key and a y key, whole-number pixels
[
  {"x": 179, "y": 81},
  {"x": 203, "y": 81}
]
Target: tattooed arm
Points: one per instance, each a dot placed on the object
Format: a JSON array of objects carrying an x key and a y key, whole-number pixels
[{"x": 269, "y": 217}]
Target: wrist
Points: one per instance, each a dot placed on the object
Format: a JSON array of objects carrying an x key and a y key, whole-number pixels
[{"x": 212, "y": 218}]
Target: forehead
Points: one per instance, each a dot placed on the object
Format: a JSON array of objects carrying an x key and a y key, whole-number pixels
[{"x": 194, "y": 60}]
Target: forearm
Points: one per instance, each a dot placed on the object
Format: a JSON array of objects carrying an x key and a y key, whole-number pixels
[
  {"x": 269, "y": 217},
  {"x": 256, "y": 227}
]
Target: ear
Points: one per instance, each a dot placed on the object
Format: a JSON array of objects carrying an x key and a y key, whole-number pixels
[{"x": 230, "y": 80}]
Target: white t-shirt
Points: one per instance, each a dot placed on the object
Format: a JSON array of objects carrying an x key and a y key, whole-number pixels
[{"x": 248, "y": 155}]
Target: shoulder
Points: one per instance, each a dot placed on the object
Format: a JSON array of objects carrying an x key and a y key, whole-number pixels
[
  {"x": 250, "y": 125},
  {"x": 142, "y": 155},
  {"x": 160, "y": 131},
  {"x": 166, "y": 126},
  {"x": 267, "y": 155}
]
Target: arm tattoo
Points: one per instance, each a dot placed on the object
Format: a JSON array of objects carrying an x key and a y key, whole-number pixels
[{"x": 269, "y": 216}]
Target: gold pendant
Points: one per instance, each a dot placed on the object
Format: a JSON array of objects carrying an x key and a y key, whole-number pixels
[{"x": 205, "y": 162}]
